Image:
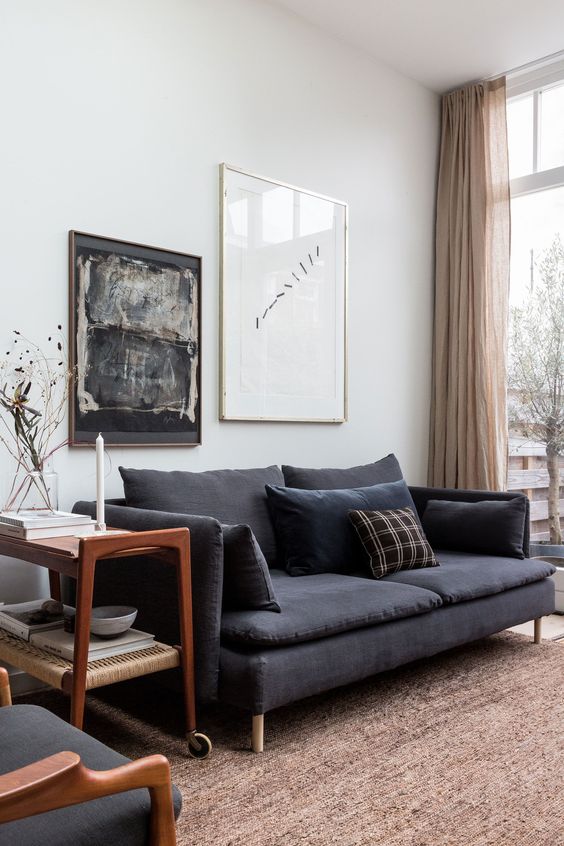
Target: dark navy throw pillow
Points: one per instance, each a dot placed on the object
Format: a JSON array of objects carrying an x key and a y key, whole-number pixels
[{"x": 313, "y": 530}]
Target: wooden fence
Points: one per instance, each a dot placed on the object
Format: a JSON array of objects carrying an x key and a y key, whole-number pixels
[{"x": 528, "y": 473}]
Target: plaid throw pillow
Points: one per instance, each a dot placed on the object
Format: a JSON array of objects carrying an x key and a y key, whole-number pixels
[{"x": 393, "y": 539}]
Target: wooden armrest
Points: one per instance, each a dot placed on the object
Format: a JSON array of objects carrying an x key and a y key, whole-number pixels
[
  {"x": 5, "y": 695},
  {"x": 62, "y": 780}
]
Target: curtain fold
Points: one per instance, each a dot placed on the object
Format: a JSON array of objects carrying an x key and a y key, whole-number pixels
[{"x": 468, "y": 439}]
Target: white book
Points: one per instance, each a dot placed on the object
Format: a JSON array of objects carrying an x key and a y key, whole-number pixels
[
  {"x": 42, "y": 519},
  {"x": 55, "y": 531},
  {"x": 61, "y": 643},
  {"x": 14, "y": 618}
]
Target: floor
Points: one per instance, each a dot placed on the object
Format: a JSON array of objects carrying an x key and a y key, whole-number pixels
[
  {"x": 462, "y": 749},
  {"x": 552, "y": 627}
]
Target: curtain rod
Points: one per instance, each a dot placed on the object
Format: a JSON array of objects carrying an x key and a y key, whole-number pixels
[{"x": 536, "y": 63}]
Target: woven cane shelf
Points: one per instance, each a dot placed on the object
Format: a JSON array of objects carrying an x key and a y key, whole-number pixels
[{"x": 52, "y": 669}]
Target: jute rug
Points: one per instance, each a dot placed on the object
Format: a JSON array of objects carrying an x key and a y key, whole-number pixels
[{"x": 465, "y": 749}]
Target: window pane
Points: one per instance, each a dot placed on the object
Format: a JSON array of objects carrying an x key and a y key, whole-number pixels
[
  {"x": 535, "y": 220},
  {"x": 552, "y": 128},
  {"x": 520, "y": 135}
]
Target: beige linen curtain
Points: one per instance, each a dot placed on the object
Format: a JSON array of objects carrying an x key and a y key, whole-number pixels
[{"x": 468, "y": 441}]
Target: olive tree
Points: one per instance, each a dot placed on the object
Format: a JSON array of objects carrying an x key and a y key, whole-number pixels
[{"x": 536, "y": 370}]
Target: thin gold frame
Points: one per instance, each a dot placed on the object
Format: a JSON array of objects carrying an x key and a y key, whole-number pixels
[{"x": 223, "y": 167}]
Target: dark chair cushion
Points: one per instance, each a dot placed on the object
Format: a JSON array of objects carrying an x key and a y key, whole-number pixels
[
  {"x": 393, "y": 540},
  {"x": 325, "y": 605},
  {"x": 488, "y": 527},
  {"x": 313, "y": 530},
  {"x": 231, "y": 496},
  {"x": 463, "y": 575},
  {"x": 30, "y": 733},
  {"x": 385, "y": 470},
  {"x": 246, "y": 577}
]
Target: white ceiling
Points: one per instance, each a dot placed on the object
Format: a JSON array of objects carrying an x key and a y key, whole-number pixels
[{"x": 442, "y": 43}]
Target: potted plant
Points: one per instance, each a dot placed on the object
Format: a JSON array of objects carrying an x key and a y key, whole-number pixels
[
  {"x": 536, "y": 386},
  {"x": 34, "y": 388}
]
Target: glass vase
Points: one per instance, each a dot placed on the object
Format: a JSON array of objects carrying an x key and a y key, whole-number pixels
[{"x": 36, "y": 490}]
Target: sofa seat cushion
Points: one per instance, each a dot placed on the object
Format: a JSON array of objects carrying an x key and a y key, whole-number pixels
[
  {"x": 464, "y": 575},
  {"x": 30, "y": 733},
  {"x": 324, "y": 605}
]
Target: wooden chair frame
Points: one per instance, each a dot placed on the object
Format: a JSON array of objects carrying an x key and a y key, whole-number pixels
[{"x": 62, "y": 780}]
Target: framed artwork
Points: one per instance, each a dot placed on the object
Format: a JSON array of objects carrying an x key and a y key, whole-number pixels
[
  {"x": 283, "y": 301},
  {"x": 134, "y": 343}
]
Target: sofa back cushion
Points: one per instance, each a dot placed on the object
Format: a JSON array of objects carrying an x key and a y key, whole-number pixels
[
  {"x": 330, "y": 479},
  {"x": 231, "y": 496},
  {"x": 313, "y": 529}
]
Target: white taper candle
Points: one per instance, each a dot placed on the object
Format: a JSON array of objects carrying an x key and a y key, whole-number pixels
[{"x": 100, "y": 512}]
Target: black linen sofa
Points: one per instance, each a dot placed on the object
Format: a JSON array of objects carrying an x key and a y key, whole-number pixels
[{"x": 332, "y": 628}]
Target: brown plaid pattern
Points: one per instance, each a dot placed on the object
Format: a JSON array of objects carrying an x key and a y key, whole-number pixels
[{"x": 393, "y": 539}]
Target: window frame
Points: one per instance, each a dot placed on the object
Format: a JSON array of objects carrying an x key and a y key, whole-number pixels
[{"x": 522, "y": 84}]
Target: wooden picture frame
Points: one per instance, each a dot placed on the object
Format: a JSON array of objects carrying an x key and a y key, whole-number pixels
[{"x": 134, "y": 343}]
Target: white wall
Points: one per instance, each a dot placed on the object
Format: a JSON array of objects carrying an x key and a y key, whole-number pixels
[{"x": 115, "y": 116}]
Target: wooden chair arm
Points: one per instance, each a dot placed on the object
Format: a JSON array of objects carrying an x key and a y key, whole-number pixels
[
  {"x": 62, "y": 780},
  {"x": 5, "y": 695}
]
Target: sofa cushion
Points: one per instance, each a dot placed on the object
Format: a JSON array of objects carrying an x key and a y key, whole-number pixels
[
  {"x": 313, "y": 531},
  {"x": 489, "y": 527},
  {"x": 246, "y": 577},
  {"x": 30, "y": 733},
  {"x": 324, "y": 605},
  {"x": 393, "y": 540},
  {"x": 464, "y": 576},
  {"x": 385, "y": 470},
  {"x": 231, "y": 496}
]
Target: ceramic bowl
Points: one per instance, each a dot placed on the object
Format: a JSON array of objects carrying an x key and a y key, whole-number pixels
[{"x": 112, "y": 620}]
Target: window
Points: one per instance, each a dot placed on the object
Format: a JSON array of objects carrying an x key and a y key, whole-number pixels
[{"x": 535, "y": 125}]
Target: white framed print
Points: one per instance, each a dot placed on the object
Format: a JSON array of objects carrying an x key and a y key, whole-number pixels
[{"x": 283, "y": 276}]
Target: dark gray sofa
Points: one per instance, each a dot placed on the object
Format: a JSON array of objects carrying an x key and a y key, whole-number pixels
[{"x": 332, "y": 629}]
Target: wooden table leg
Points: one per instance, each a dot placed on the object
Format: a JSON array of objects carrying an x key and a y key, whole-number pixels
[
  {"x": 84, "y": 595},
  {"x": 55, "y": 585},
  {"x": 186, "y": 633}
]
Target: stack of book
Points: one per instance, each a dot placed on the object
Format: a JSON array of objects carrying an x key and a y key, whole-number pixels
[
  {"x": 21, "y": 620},
  {"x": 59, "y": 642},
  {"x": 33, "y": 525},
  {"x": 25, "y": 618}
]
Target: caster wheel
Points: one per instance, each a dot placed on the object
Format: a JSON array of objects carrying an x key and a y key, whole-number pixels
[{"x": 199, "y": 745}]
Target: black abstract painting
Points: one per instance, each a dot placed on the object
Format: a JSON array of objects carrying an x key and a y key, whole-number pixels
[{"x": 135, "y": 343}]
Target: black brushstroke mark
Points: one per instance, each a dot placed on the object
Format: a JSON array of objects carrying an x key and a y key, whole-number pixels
[{"x": 288, "y": 285}]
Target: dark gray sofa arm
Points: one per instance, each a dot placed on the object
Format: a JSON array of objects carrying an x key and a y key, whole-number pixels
[
  {"x": 422, "y": 495},
  {"x": 151, "y": 587}
]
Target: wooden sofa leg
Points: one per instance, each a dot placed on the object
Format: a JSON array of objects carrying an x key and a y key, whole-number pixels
[
  {"x": 257, "y": 741},
  {"x": 538, "y": 630}
]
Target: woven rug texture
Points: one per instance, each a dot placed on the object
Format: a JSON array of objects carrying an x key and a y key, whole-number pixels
[{"x": 463, "y": 749}]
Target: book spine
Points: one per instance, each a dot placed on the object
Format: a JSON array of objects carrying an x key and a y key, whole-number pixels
[
  {"x": 61, "y": 651},
  {"x": 13, "y": 627},
  {"x": 12, "y": 531}
]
